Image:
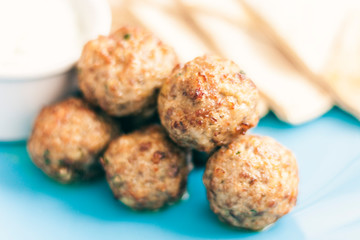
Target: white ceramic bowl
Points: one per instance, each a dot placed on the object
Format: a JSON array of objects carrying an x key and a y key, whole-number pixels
[{"x": 23, "y": 95}]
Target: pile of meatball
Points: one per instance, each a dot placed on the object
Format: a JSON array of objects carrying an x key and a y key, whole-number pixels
[{"x": 206, "y": 104}]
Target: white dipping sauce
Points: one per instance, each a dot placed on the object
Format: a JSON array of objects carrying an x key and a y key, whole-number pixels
[{"x": 37, "y": 36}]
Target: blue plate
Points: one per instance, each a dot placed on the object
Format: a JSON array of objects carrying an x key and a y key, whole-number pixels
[{"x": 328, "y": 152}]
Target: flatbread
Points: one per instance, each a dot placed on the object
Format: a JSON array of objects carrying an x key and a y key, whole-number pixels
[
  {"x": 288, "y": 93},
  {"x": 162, "y": 19},
  {"x": 169, "y": 28},
  {"x": 342, "y": 72},
  {"x": 309, "y": 33}
]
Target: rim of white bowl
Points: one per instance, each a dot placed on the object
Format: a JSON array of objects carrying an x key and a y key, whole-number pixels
[{"x": 97, "y": 12}]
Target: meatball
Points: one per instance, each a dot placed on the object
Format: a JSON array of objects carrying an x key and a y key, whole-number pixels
[
  {"x": 145, "y": 170},
  {"x": 207, "y": 102},
  {"x": 67, "y": 140},
  {"x": 123, "y": 72},
  {"x": 251, "y": 182}
]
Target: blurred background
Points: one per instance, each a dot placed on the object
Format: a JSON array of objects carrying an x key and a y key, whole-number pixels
[{"x": 304, "y": 56}]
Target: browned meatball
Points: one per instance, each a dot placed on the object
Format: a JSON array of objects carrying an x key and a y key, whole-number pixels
[
  {"x": 145, "y": 170},
  {"x": 122, "y": 72},
  {"x": 252, "y": 182},
  {"x": 207, "y": 102},
  {"x": 67, "y": 139}
]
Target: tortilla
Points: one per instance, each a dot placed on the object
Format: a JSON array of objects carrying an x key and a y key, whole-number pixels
[
  {"x": 312, "y": 34},
  {"x": 288, "y": 93}
]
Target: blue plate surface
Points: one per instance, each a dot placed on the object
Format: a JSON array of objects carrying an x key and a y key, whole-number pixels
[{"x": 328, "y": 152}]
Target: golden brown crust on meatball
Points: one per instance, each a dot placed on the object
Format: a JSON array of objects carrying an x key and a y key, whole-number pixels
[
  {"x": 252, "y": 182},
  {"x": 67, "y": 139},
  {"x": 207, "y": 102},
  {"x": 145, "y": 170},
  {"x": 122, "y": 72}
]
